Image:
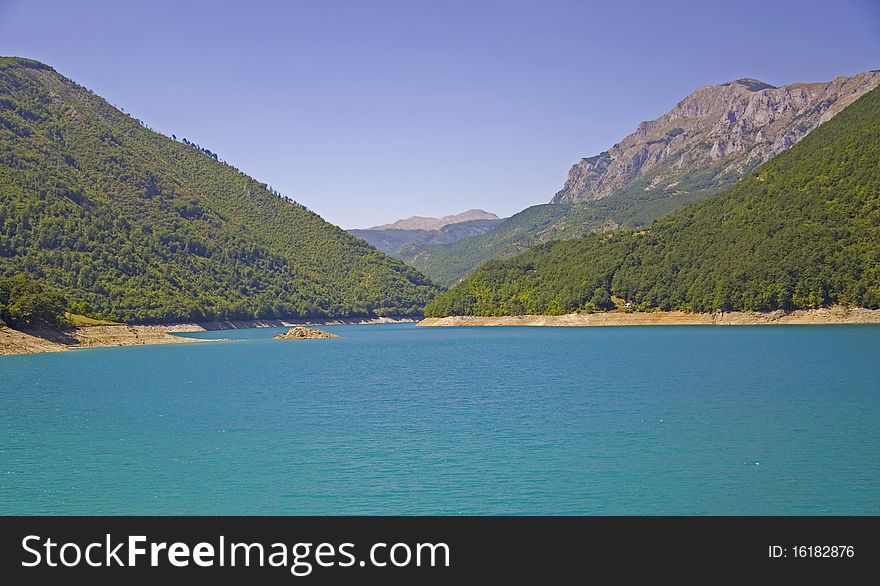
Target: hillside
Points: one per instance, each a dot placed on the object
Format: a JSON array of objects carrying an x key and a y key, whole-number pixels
[
  {"x": 449, "y": 262},
  {"x": 801, "y": 231},
  {"x": 132, "y": 225},
  {"x": 723, "y": 131},
  {"x": 706, "y": 143}
]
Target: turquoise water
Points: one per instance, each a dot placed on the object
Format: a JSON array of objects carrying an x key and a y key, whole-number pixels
[{"x": 395, "y": 419}]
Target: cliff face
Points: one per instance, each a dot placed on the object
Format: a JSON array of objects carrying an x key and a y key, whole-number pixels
[{"x": 712, "y": 137}]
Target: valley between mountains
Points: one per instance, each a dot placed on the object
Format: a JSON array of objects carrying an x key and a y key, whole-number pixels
[{"x": 745, "y": 203}]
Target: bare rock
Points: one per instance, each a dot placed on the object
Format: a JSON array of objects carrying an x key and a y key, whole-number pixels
[
  {"x": 713, "y": 137},
  {"x": 299, "y": 333}
]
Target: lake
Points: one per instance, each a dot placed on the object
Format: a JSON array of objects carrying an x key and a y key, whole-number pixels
[{"x": 396, "y": 419}]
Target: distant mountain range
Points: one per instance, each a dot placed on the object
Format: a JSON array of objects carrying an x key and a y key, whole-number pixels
[
  {"x": 405, "y": 238},
  {"x": 800, "y": 231},
  {"x": 428, "y": 223},
  {"x": 705, "y": 144},
  {"x": 132, "y": 225}
]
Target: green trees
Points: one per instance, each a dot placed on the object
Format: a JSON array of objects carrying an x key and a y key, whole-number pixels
[
  {"x": 802, "y": 231},
  {"x": 24, "y": 301},
  {"x": 448, "y": 263},
  {"x": 133, "y": 226}
]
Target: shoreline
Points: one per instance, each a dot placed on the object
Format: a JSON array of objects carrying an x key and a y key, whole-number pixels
[
  {"x": 826, "y": 315},
  {"x": 39, "y": 340},
  {"x": 45, "y": 339},
  {"x": 212, "y": 326}
]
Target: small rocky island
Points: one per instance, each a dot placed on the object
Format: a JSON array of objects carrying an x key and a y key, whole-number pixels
[{"x": 299, "y": 333}]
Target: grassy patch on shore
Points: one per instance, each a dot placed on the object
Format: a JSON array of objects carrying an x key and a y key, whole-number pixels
[{"x": 81, "y": 321}]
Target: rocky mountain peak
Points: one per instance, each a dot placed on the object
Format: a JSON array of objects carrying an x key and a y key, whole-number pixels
[
  {"x": 712, "y": 137},
  {"x": 750, "y": 83}
]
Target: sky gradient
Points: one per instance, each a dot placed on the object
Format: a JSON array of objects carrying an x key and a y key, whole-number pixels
[{"x": 371, "y": 111}]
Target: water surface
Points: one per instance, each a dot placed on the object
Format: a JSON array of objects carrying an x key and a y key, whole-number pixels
[{"x": 395, "y": 419}]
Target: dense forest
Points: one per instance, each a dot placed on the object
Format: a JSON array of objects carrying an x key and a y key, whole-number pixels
[
  {"x": 447, "y": 264},
  {"x": 131, "y": 225},
  {"x": 26, "y": 301},
  {"x": 801, "y": 231}
]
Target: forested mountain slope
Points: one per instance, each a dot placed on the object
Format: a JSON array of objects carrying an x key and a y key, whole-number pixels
[
  {"x": 703, "y": 145},
  {"x": 132, "y": 225},
  {"x": 801, "y": 231}
]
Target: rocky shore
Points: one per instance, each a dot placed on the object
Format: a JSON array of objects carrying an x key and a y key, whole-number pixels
[
  {"x": 829, "y": 315},
  {"x": 45, "y": 339},
  {"x": 276, "y": 323},
  {"x": 36, "y": 340},
  {"x": 39, "y": 340}
]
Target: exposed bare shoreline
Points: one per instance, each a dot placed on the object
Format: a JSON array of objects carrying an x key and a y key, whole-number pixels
[
  {"x": 34, "y": 341},
  {"x": 60, "y": 340},
  {"x": 274, "y": 323},
  {"x": 830, "y": 315}
]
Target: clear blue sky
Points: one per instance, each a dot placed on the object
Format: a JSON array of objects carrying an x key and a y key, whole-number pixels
[{"x": 370, "y": 111}]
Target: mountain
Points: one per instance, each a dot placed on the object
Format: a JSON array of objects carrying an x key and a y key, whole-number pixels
[
  {"x": 706, "y": 143},
  {"x": 402, "y": 243},
  {"x": 405, "y": 238},
  {"x": 450, "y": 233},
  {"x": 131, "y": 225},
  {"x": 427, "y": 223},
  {"x": 723, "y": 131},
  {"x": 449, "y": 262},
  {"x": 801, "y": 231}
]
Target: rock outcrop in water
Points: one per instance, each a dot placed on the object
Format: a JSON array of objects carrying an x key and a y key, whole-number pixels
[{"x": 299, "y": 333}]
